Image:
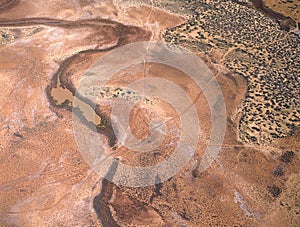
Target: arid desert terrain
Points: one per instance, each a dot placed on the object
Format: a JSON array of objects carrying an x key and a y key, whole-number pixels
[{"x": 244, "y": 168}]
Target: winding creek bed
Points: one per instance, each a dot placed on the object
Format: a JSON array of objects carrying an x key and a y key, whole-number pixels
[{"x": 45, "y": 181}]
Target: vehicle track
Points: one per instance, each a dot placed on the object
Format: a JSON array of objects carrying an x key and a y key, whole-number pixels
[{"x": 7, "y": 4}]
